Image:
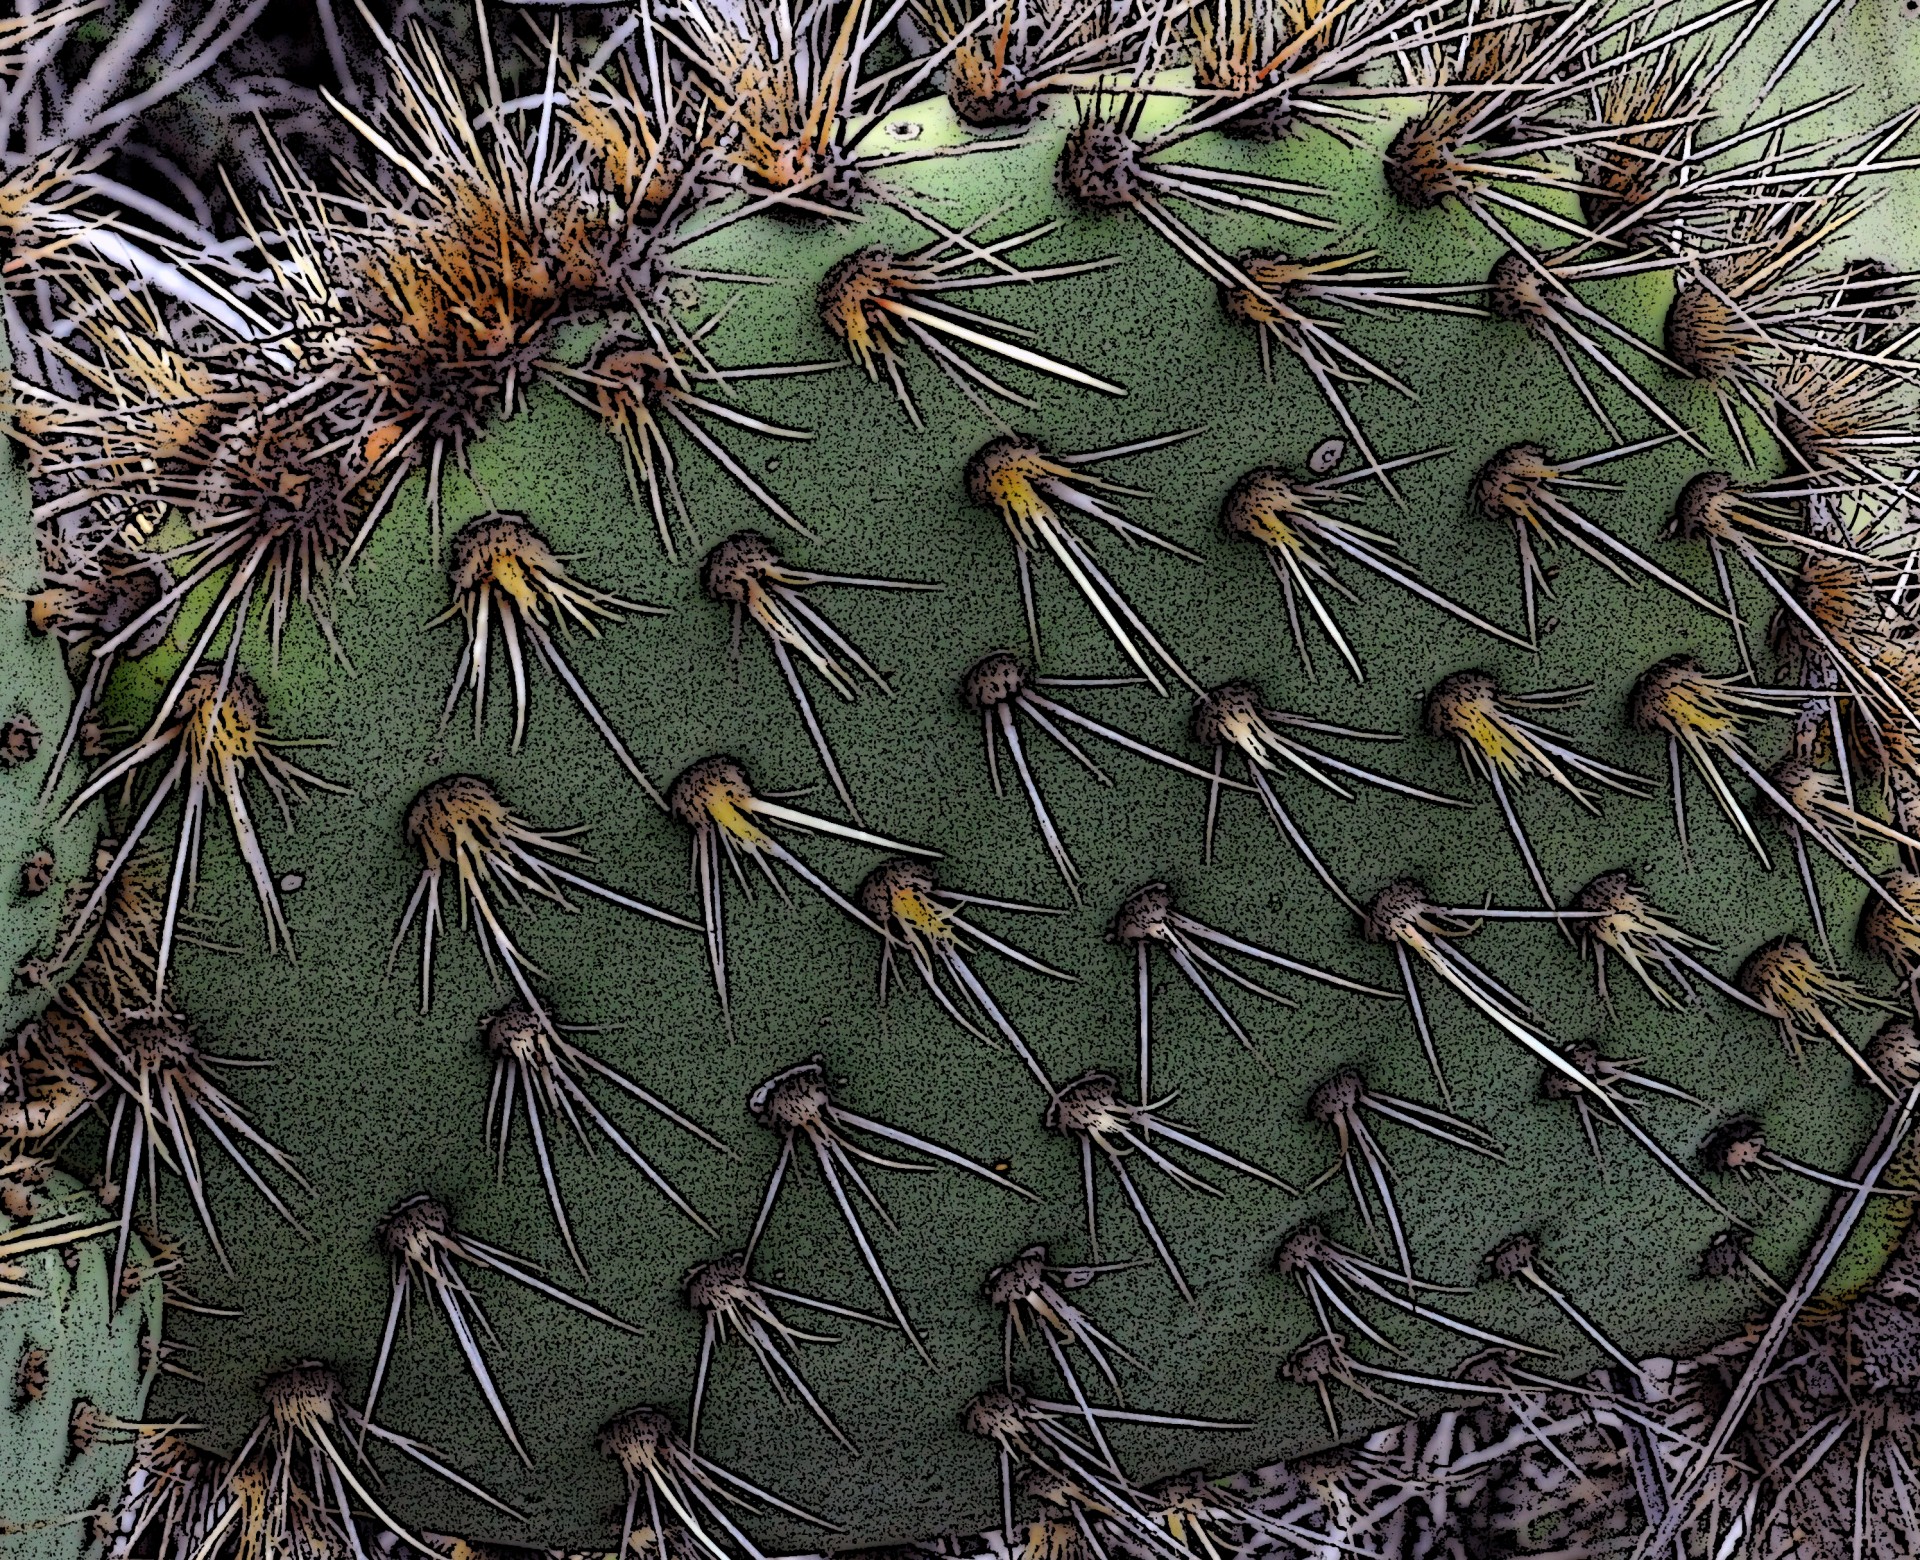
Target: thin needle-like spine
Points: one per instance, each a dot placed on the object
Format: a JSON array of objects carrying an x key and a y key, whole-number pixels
[
  {"x": 729, "y": 821},
  {"x": 505, "y": 570},
  {"x": 745, "y": 573},
  {"x": 797, "y": 1105},
  {"x": 426, "y": 1250},
  {"x": 1090, "y": 1109}
]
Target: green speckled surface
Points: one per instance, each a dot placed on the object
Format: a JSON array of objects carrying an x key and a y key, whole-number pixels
[
  {"x": 93, "y": 1354},
  {"x": 33, "y": 682},
  {"x": 378, "y": 1101}
]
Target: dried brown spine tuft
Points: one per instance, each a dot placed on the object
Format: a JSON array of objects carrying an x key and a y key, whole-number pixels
[
  {"x": 1100, "y": 167},
  {"x": 1219, "y": 710},
  {"x": 794, "y": 1100},
  {"x": 719, "y": 778},
  {"x": 1143, "y": 915},
  {"x": 735, "y": 565},
  {"x": 991, "y": 681}
]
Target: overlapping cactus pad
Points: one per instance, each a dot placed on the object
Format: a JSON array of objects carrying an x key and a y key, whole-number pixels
[{"x": 839, "y": 772}]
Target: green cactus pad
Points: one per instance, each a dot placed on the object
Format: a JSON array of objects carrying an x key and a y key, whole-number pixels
[
  {"x": 329, "y": 748},
  {"x": 77, "y": 1366},
  {"x": 43, "y": 856},
  {"x": 378, "y": 1101}
]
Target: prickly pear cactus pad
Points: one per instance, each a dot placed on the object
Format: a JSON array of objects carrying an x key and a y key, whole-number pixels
[
  {"x": 864, "y": 781},
  {"x": 79, "y": 1362},
  {"x": 44, "y": 858}
]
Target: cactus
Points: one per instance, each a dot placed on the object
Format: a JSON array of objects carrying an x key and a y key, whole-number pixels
[
  {"x": 80, "y": 1357},
  {"x": 926, "y": 776},
  {"x": 43, "y": 861}
]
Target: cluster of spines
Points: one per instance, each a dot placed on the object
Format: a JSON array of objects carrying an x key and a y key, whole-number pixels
[{"x": 588, "y": 213}]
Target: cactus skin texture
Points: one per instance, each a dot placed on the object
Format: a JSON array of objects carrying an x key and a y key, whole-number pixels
[
  {"x": 43, "y": 858},
  {"x": 79, "y": 1366},
  {"x": 1481, "y": 1172}
]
